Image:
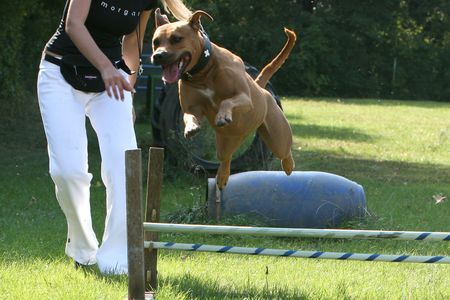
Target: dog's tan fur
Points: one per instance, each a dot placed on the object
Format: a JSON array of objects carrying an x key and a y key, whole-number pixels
[{"x": 234, "y": 104}]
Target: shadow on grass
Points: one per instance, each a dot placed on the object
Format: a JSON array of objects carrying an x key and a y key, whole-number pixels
[
  {"x": 385, "y": 171},
  {"x": 194, "y": 288},
  {"x": 330, "y": 132}
]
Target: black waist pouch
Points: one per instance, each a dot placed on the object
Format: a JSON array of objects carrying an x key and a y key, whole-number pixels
[{"x": 82, "y": 75}]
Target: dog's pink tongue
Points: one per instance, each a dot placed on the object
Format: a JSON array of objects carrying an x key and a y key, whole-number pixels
[{"x": 171, "y": 73}]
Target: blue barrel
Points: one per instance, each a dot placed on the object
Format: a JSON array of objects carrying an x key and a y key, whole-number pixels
[{"x": 301, "y": 200}]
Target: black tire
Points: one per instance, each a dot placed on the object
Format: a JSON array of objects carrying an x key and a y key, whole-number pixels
[{"x": 199, "y": 151}]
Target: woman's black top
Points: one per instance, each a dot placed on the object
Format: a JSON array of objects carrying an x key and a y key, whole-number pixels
[{"x": 108, "y": 21}]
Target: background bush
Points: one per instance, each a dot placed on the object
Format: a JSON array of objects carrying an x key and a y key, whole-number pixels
[
  {"x": 346, "y": 48},
  {"x": 26, "y": 26}
]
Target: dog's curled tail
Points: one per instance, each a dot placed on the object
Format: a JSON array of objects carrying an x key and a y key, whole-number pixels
[{"x": 270, "y": 69}]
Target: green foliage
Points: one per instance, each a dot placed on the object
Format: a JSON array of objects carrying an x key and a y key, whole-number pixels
[
  {"x": 344, "y": 48},
  {"x": 10, "y": 51},
  {"x": 26, "y": 26}
]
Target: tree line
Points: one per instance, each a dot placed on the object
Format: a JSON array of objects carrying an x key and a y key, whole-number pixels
[{"x": 345, "y": 48}]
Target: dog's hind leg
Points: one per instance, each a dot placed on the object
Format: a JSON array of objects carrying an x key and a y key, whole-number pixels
[
  {"x": 277, "y": 135},
  {"x": 225, "y": 146},
  {"x": 280, "y": 145}
]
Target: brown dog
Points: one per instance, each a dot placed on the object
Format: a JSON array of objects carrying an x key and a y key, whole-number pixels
[{"x": 215, "y": 85}]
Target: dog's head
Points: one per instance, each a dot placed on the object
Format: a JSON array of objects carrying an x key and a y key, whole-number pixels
[{"x": 177, "y": 46}]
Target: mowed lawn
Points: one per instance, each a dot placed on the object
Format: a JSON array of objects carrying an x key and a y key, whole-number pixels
[{"x": 398, "y": 150}]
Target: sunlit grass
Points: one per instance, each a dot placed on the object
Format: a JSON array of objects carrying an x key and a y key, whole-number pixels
[{"x": 399, "y": 152}]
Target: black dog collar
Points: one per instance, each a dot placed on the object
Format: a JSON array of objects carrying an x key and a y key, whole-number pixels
[{"x": 204, "y": 58}]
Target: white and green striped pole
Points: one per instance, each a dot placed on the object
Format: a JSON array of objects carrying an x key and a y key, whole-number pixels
[{"x": 299, "y": 253}]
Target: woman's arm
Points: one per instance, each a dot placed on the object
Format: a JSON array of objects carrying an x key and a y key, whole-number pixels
[
  {"x": 130, "y": 48},
  {"x": 80, "y": 36}
]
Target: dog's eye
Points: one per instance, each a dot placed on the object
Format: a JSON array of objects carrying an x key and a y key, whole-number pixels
[
  {"x": 175, "y": 39},
  {"x": 156, "y": 43}
]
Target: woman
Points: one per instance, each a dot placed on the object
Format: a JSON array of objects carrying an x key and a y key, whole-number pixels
[{"x": 108, "y": 33}]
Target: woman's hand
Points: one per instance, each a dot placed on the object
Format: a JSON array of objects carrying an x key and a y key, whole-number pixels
[{"x": 115, "y": 82}]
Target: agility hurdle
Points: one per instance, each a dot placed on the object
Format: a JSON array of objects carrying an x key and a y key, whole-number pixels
[{"x": 143, "y": 232}]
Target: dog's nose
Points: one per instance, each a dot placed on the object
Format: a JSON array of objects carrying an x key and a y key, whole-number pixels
[{"x": 159, "y": 57}]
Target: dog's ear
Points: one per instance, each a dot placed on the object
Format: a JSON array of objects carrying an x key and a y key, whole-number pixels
[
  {"x": 160, "y": 19},
  {"x": 194, "y": 20}
]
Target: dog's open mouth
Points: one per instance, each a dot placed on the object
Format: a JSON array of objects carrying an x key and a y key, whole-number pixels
[{"x": 172, "y": 72}]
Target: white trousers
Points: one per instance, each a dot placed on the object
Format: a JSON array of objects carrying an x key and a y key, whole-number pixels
[{"x": 64, "y": 110}]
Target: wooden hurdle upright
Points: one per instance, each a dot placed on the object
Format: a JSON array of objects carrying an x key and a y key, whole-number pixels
[
  {"x": 143, "y": 231},
  {"x": 142, "y": 262}
]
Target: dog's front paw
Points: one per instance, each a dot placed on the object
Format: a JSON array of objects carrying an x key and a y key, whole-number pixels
[
  {"x": 223, "y": 120},
  {"x": 222, "y": 180},
  {"x": 288, "y": 164},
  {"x": 191, "y": 129}
]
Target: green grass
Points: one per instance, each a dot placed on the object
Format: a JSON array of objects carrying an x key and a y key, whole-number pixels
[{"x": 399, "y": 152}]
